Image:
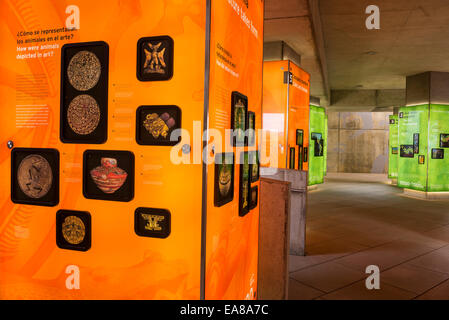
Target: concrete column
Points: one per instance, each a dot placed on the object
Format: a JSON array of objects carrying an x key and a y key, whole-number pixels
[
  {"x": 315, "y": 101},
  {"x": 423, "y": 163},
  {"x": 279, "y": 50},
  {"x": 428, "y": 88}
]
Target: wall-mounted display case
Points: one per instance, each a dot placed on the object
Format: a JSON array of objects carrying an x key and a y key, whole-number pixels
[{"x": 84, "y": 92}]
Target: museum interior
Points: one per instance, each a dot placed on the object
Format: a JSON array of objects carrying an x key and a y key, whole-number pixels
[
  {"x": 224, "y": 150},
  {"x": 364, "y": 214}
]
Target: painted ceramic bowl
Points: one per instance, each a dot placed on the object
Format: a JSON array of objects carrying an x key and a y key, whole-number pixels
[{"x": 108, "y": 177}]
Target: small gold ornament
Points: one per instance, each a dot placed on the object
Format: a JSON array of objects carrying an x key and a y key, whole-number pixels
[
  {"x": 153, "y": 221},
  {"x": 158, "y": 125}
]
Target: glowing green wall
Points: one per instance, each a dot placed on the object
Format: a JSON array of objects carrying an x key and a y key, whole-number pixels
[
  {"x": 393, "y": 144},
  {"x": 316, "y": 163},
  {"x": 430, "y": 121},
  {"x": 438, "y": 177},
  {"x": 411, "y": 174},
  {"x": 325, "y": 144}
]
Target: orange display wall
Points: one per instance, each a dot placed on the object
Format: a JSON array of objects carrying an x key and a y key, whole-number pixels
[
  {"x": 108, "y": 109},
  {"x": 286, "y": 95}
]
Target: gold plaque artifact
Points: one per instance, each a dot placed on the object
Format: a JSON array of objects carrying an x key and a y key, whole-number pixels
[
  {"x": 73, "y": 230},
  {"x": 154, "y": 59},
  {"x": 158, "y": 125}
]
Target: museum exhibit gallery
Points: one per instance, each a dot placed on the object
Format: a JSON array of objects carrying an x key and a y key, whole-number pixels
[
  {"x": 422, "y": 134},
  {"x": 101, "y": 168}
]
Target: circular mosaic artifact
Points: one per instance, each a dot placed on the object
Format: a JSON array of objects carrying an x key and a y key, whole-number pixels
[
  {"x": 84, "y": 70},
  {"x": 73, "y": 230},
  {"x": 34, "y": 176},
  {"x": 83, "y": 114}
]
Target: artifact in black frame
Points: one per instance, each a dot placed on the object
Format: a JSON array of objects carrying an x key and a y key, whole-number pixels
[
  {"x": 244, "y": 184},
  {"x": 300, "y": 157},
  {"x": 318, "y": 148},
  {"x": 316, "y": 136},
  {"x": 407, "y": 151},
  {"x": 251, "y": 128},
  {"x": 83, "y": 114},
  {"x": 239, "y": 118},
  {"x": 421, "y": 159},
  {"x": 155, "y": 125},
  {"x": 84, "y": 92},
  {"x": 152, "y": 222},
  {"x": 394, "y": 150},
  {"x": 299, "y": 137},
  {"x": 416, "y": 143},
  {"x": 73, "y": 230},
  {"x": 444, "y": 140},
  {"x": 155, "y": 58},
  {"x": 84, "y": 70},
  {"x": 254, "y": 165},
  {"x": 108, "y": 175},
  {"x": 437, "y": 153},
  {"x": 35, "y": 176},
  {"x": 254, "y": 197},
  {"x": 223, "y": 179},
  {"x": 291, "y": 162},
  {"x": 392, "y": 121},
  {"x": 306, "y": 154},
  {"x": 401, "y": 115}
]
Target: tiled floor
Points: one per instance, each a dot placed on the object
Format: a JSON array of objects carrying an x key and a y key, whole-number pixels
[{"x": 357, "y": 220}]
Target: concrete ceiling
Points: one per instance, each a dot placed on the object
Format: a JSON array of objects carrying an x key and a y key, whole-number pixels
[
  {"x": 290, "y": 21},
  {"x": 413, "y": 38}
]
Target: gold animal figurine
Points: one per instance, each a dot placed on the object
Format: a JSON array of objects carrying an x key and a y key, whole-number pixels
[
  {"x": 154, "y": 59},
  {"x": 153, "y": 221}
]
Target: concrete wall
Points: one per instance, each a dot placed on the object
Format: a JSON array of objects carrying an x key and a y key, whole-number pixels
[{"x": 358, "y": 142}]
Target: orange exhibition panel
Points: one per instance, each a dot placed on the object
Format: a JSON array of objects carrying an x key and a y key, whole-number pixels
[
  {"x": 235, "y": 71},
  {"x": 104, "y": 192},
  {"x": 286, "y": 95}
]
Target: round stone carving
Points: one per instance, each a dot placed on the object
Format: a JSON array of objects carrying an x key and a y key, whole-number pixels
[{"x": 34, "y": 176}]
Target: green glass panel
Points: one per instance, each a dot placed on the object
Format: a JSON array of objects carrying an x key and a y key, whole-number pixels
[
  {"x": 438, "y": 179},
  {"x": 316, "y": 154},
  {"x": 413, "y": 120},
  {"x": 325, "y": 144},
  {"x": 393, "y": 153}
]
